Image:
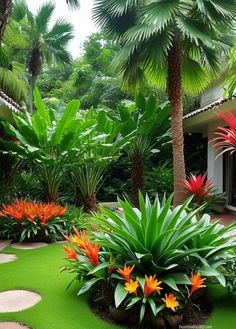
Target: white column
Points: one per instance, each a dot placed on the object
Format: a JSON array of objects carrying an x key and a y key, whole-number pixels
[{"x": 214, "y": 166}]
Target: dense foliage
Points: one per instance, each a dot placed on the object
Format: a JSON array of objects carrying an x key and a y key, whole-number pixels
[{"x": 152, "y": 258}]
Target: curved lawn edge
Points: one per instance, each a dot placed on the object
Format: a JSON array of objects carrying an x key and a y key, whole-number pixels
[{"x": 39, "y": 270}]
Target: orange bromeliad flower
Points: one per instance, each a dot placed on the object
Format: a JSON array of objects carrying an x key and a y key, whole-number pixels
[
  {"x": 80, "y": 239},
  {"x": 92, "y": 251},
  {"x": 70, "y": 253},
  {"x": 126, "y": 272},
  {"x": 151, "y": 285},
  {"x": 132, "y": 287},
  {"x": 197, "y": 282},
  {"x": 171, "y": 302},
  {"x": 31, "y": 211}
]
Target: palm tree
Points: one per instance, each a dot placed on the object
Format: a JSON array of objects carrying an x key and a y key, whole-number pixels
[
  {"x": 5, "y": 12},
  {"x": 151, "y": 127},
  {"x": 173, "y": 44},
  {"x": 73, "y": 4},
  {"x": 45, "y": 44}
]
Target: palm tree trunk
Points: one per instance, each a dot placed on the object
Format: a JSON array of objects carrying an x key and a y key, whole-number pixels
[
  {"x": 33, "y": 80},
  {"x": 136, "y": 178},
  {"x": 175, "y": 98},
  {"x": 5, "y": 12}
]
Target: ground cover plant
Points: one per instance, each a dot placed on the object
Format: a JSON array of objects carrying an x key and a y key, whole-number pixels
[
  {"x": 150, "y": 261},
  {"x": 32, "y": 221}
]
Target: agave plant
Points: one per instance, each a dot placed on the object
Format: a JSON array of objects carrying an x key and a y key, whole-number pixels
[{"x": 52, "y": 145}]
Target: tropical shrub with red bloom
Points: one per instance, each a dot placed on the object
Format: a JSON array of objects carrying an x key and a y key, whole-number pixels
[
  {"x": 226, "y": 136},
  {"x": 202, "y": 190},
  {"x": 23, "y": 220},
  {"x": 150, "y": 261}
]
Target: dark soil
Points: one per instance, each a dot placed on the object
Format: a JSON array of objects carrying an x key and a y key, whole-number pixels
[{"x": 195, "y": 314}]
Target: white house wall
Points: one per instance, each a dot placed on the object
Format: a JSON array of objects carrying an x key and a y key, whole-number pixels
[{"x": 214, "y": 166}]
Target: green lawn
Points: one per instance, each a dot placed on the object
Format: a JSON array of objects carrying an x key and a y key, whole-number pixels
[{"x": 38, "y": 270}]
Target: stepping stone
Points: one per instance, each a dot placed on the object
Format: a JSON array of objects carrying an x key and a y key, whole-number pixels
[
  {"x": 4, "y": 244},
  {"x": 12, "y": 325},
  {"x": 17, "y": 300},
  {"x": 28, "y": 245},
  {"x": 6, "y": 258}
]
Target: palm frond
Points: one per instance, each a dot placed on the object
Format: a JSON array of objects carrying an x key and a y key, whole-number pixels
[
  {"x": 73, "y": 4},
  {"x": 44, "y": 15}
]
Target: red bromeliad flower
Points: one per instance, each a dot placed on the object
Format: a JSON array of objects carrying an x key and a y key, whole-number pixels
[
  {"x": 199, "y": 185},
  {"x": 30, "y": 211},
  {"x": 226, "y": 137},
  {"x": 70, "y": 253},
  {"x": 92, "y": 251}
]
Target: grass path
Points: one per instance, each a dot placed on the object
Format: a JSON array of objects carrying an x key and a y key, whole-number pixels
[{"x": 38, "y": 270}]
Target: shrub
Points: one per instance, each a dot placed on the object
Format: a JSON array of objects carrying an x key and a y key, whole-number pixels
[
  {"x": 36, "y": 221},
  {"x": 203, "y": 191},
  {"x": 153, "y": 259}
]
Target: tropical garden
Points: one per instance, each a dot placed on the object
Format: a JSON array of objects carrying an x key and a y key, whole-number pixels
[{"x": 106, "y": 208}]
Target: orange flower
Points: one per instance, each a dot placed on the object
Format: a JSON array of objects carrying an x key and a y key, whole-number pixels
[
  {"x": 80, "y": 239},
  {"x": 132, "y": 287},
  {"x": 171, "y": 302},
  {"x": 92, "y": 251},
  {"x": 151, "y": 285},
  {"x": 197, "y": 282},
  {"x": 70, "y": 253},
  {"x": 23, "y": 210},
  {"x": 126, "y": 272}
]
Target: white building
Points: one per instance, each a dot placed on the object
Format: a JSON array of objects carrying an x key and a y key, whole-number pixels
[
  {"x": 204, "y": 120},
  {"x": 7, "y": 107}
]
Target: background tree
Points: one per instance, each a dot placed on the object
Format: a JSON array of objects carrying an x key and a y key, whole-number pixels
[
  {"x": 5, "y": 12},
  {"x": 173, "y": 44},
  {"x": 150, "y": 123},
  {"x": 45, "y": 44}
]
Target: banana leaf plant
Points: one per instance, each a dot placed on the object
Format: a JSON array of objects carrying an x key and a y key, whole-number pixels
[
  {"x": 104, "y": 146},
  {"x": 151, "y": 125},
  {"x": 51, "y": 144}
]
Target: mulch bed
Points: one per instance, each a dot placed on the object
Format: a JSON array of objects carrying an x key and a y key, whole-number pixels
[{"x": 195, "y": 314}]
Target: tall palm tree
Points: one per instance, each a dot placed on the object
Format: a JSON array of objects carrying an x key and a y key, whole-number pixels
[
  {"x": 173, "y": 44},
  {"x": 5, "y": 12},
  {"x": 73, "y": 4},
  {"x": 45, "y": 43}
]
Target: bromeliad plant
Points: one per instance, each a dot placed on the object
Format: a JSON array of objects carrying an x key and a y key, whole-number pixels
[
  {"x": 151, "y": 260},
  {"x": 203, "y": 191},
  {"x": 23, "y": 220}
]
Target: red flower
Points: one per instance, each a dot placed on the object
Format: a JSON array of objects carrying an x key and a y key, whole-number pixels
[
  {"x": 70, "y": 253},
  {"x": 226, "y": 137},
  {"x": 92, "y": 251},
  {"x": 198, "y": 185}
]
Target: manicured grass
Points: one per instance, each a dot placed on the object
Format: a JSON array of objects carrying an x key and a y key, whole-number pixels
[{"x": 38, "y": 270}]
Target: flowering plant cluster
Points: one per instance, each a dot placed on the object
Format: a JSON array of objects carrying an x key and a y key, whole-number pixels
[
  {"x": 149, "y": 261},
  {"x": 27, "y": 219},
  {"x": 128, "y": 286},
  {"x": 202, "y": 190}
]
